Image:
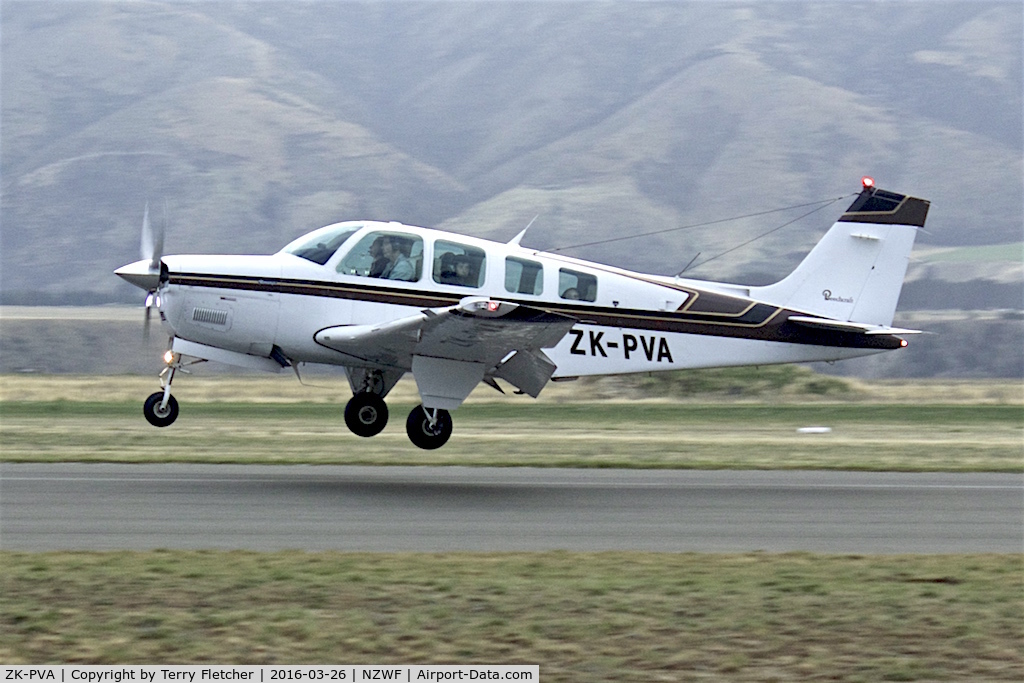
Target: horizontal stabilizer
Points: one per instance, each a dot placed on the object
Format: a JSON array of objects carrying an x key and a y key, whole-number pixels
[{"x": 843, "y": 326}]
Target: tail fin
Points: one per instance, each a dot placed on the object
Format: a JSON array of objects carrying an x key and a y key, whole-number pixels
[{"x": 855, "y": 273}]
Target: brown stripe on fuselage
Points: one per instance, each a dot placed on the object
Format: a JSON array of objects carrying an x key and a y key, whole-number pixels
[{"x": 720, "y": 315}]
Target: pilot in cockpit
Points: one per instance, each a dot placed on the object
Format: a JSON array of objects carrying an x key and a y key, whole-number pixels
[
  {"x": 398, "y": 267},
  {"x": 379, "y": 261}
]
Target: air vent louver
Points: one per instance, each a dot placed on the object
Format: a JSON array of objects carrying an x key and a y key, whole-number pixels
[{"x": 210, "y": 316}]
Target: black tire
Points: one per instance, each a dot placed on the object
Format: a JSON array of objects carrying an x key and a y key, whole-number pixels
[
  {"x": 366, "y": 414},
  {"x": 417, "y": 426},
  {"x": 157, "y": 417}
]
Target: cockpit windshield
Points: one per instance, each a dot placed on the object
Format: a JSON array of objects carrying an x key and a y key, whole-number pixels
[{"x": 319, "y": 245}]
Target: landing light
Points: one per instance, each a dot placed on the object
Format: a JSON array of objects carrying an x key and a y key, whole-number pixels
[
  {"x": 169, "y": 356},
  {"x": 867, "y": 181},
  {"x": 903, "y": 343}
]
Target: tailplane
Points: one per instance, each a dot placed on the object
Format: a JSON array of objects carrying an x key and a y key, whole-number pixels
[{"x": 855, "y": 273}]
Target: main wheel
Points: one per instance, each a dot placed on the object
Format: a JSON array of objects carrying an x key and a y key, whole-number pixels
[
  {"x": 425, "y": 435},
  {"x": 155, "y": 415},
  {"x": 366, "y": 414}
]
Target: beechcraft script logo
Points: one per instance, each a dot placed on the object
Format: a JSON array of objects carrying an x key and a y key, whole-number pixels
[{"x": 842, "y": 299}]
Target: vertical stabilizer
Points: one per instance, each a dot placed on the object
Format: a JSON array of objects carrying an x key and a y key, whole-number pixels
[{"x": 855, "y": 273}]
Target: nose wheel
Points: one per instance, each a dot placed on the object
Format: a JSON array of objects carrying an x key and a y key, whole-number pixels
[
  {"x": 366, "y": 414},
  {"x": 429, "y": 428}
]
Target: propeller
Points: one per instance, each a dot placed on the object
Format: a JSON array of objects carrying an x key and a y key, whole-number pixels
[
  {"x": 151, "y": 272},
  {"x": 151, "y": 248}
]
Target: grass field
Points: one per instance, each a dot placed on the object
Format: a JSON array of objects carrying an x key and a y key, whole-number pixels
[
  {"x": 876, "y": 437},
  {"x": 230, "y": 419},
  {"x": 582, "y": 617}
]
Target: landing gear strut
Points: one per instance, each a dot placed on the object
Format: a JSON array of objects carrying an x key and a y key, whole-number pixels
[
  {"x": 366, "y": 414},
  {"x": 429, "y": 428}
]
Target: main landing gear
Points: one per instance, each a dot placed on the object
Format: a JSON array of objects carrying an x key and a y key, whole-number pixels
[
  {"x": 366, "y": 414},
  {"x": 428, "y": 428}
]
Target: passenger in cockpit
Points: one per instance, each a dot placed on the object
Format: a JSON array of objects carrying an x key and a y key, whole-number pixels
[
  {"x": 463, "y": 272},
  {"x": 456, "y": 270}
]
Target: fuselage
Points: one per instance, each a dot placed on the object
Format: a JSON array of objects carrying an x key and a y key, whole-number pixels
[{"x": 274, "y": 306}]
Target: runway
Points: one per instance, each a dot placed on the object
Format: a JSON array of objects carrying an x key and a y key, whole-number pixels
[{"x": 437, "y": 509}]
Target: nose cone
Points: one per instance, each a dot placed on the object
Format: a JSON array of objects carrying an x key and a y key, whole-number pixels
[{"x": 141, "y": 274}]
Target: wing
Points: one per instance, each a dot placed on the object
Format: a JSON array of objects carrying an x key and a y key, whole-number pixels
[{"x": 449, "y": 350}]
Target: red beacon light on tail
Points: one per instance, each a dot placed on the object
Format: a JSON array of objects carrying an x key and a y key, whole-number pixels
[{"x": 868, "y": 182}]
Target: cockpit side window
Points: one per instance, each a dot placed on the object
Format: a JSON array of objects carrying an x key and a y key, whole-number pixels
[
  {"x": 386, "y": 255},
  {"x": 576, "y": 286},
  {"x": 459, "y": 264},
  {"x": 523, "y": 276},
  {"x": 319, "y": 246}
]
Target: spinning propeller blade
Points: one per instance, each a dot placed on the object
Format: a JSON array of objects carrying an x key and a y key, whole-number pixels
[{"x": 152, "y": 246}]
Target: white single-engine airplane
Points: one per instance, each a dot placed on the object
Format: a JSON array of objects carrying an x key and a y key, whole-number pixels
[{"x": 384, "y": 299}]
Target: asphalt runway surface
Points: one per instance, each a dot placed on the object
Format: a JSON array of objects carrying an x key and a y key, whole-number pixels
[{"x": 438, "y": 509}]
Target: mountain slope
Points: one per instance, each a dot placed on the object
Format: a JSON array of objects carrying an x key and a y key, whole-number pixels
[{"x": 255, "y": 122}]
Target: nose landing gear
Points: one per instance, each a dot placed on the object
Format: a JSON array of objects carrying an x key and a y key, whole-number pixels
[{"x": 161, "y": 409}]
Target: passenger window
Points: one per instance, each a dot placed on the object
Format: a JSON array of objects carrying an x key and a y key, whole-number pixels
[
  {"x": 523, "y": 277},
  {"x": 458, "y": 264},
  {"x": 386, "y": 255},
  {"x": 576, "y": 286}
]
